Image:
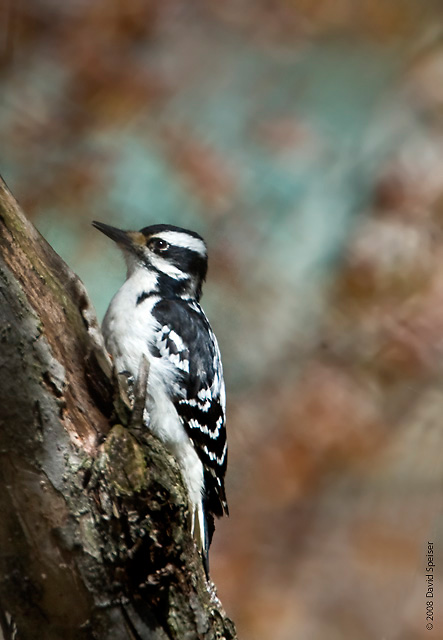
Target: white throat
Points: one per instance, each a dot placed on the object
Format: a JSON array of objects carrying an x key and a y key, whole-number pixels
[{"x": 142, "y": 280}]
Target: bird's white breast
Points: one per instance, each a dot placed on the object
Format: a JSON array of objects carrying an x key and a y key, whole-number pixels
[{"x": 129, "y": 327}]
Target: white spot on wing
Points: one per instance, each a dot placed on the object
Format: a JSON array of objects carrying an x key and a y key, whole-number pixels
[
  {"x": 213, "y": 456},
  {"x": 204, "y": 428}
]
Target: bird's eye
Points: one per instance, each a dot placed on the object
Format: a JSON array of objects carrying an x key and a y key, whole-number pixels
[{"x": 158, "y": 245}]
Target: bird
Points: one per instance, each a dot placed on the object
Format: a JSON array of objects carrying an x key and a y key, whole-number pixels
[{"x": 156, "y": 314}]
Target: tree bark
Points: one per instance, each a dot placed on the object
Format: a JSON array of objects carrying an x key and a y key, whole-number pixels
[{"x": 94, "y": 535}]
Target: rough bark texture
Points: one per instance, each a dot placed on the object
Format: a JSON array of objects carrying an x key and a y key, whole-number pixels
[{"x": 94, "y": 541}]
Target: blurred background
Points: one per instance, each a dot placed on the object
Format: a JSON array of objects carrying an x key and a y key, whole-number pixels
[{"x": 304, "y": 140}]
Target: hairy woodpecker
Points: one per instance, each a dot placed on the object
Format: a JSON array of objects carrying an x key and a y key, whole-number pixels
[{"x": 156, "y": 313}]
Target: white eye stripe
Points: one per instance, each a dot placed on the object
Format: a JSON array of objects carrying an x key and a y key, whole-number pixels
[
  {"x": 183, "y": 240},
  {"x": 165, "y": 267}
]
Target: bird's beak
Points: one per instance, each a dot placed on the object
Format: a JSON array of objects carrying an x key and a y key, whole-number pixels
[{"x": 125, "y": 239}]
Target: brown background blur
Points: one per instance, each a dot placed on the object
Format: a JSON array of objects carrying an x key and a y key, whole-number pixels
[{"x": 304, "y": 140}]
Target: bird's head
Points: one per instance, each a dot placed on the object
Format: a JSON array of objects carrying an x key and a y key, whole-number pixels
[{"x": 178, "y": 256}]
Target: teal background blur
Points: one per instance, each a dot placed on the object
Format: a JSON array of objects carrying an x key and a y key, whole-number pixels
[
  {"x": 258, "y": 139},
  {"x": 303, "y": 141}
]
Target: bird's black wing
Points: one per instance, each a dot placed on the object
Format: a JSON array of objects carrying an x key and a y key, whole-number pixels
[{"x": 186, "y": 339}]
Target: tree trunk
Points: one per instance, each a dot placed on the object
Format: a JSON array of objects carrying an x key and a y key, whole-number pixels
[{"x": 94, "y": 535}]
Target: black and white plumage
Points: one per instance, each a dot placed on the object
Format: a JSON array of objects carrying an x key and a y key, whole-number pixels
[{"x": 156, "y": 314}]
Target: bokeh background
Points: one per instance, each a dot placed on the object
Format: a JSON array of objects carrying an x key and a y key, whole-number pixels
[{"x": 304, "y": 140}]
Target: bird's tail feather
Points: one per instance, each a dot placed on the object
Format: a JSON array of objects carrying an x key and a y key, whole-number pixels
[{"x": 202, "y": 529}]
